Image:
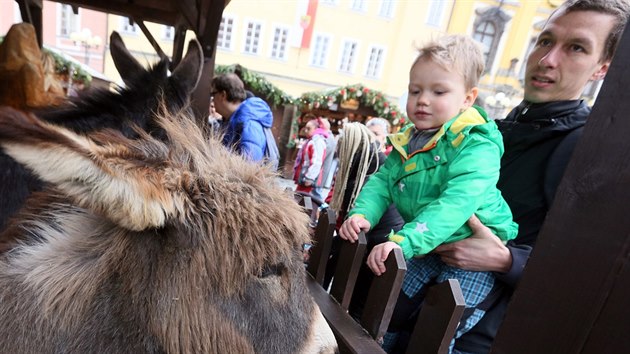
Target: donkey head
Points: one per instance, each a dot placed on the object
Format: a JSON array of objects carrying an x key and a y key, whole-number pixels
[{"x": 156, "y": 239}]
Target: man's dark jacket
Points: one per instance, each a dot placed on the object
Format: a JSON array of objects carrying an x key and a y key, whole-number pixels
[{"x": 536, "y": 155}]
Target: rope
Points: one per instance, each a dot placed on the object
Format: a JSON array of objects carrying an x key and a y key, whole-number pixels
[{"x": 353, "y": 143}]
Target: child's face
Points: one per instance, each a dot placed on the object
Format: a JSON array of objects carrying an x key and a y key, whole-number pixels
[{"x": 436, "y": 95}]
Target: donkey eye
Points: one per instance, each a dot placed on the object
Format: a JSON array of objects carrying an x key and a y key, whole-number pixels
[{"x": 272, "y": 270}]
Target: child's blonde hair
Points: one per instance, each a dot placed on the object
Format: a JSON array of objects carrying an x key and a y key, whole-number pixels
[{"x": 455, "y": 52}]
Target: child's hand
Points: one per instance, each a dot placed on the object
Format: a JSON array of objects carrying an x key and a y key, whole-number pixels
[
  {"x": 351, "y": 228},
  {"x": 376, "y": 259}
]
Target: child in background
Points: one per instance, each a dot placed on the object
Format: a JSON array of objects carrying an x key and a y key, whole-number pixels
[
  {"x": 309, "y": 162},
  {"x": 443, "y": 169}
]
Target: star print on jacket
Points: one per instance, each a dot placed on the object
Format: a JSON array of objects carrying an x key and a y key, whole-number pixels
[{"x": 421, "y": 227}]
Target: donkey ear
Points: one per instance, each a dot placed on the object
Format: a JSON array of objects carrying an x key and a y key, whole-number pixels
[
  {"x": 187, "y": 74},
  {"x": 112, "y": 179},
  {"x": 128, "y": 67}
]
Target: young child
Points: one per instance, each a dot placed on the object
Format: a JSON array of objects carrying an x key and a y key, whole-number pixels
[
  {"x": 442, "y": 170},
  {"x": 307, "y": 170}
]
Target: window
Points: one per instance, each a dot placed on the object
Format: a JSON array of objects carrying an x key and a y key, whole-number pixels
[
  {"x": 330, "y": 2},
  {"x": 280, "y": 43},
  {"x": 68, "y": 21},
  {"x": 226, "y": 31},
  {"x": 359, "y": 5},
  {"x": 348, "y": 56},
  {"x": 487, "y": 30},
  {"x": 436, "y": 13},
  {"x": 387, "y": 8},
  {"x": 127, "y": 27},
  {"x": 252, "y": 37},
  {"x": 169, "y": 32},
  {"x": 375, "y": 62},
  {"x": 320, "y": 50}
]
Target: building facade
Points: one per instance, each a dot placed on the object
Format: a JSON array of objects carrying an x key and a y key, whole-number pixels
[{"x": 312, "y": 45}]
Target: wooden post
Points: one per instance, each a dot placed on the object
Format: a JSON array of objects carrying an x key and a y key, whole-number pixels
[
  {"x": 348, "y": 267},
  {"x": 438, "y": 320},
  {"x": 383, "y": 294},
  {"x": 320, "y": 251}
]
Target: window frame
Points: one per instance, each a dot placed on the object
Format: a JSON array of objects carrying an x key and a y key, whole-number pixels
[{"x": 258, "y": 44}]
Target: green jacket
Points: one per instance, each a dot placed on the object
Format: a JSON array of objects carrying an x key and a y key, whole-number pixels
[{"x": 438, "y": 188}]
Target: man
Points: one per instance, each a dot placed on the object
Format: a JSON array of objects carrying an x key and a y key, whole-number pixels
[
  {"x": 381, "y": 129},
  {"x": 245, "y": 117},
  {"x": 576, "y": 46}
]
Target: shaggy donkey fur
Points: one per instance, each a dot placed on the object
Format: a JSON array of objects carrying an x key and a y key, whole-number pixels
[{"x": 151, "y": 241}]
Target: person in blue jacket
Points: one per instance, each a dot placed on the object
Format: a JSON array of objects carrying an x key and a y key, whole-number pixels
[{"x": 243, "y": 118}]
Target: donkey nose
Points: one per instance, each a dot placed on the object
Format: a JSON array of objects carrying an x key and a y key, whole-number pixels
[{"x": 321, "y": 339}]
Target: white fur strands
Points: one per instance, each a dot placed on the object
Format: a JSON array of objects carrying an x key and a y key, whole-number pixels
[{"x": 354, "y": 143}]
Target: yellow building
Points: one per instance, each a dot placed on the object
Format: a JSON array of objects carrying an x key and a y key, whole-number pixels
[
  {"x": 312, "y": 45},
  {"x": 308, "y": 45}
]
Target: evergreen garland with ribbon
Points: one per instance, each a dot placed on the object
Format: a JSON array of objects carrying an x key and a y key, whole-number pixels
[
  {"x": 366, "y": 96},
  {"x": 259, "y": 84}
]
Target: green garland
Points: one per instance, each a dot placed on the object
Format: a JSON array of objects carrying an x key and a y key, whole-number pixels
[
  {"x": 61, "y": 67},
  {"x": 258, "y": 83},
  {"x": 366, "y": 96},
  {"x": 276, "y": 97}
]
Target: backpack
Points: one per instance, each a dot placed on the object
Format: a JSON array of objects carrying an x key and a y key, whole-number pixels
[{"x": 271, "y": 155}]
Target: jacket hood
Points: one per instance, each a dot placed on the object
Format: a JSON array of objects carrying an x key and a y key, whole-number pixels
[
  {"x": 457, "y": 127},
  {"x": 253, "y": 108}
]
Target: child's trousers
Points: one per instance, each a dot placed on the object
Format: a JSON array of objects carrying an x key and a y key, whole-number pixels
[{"x": 424, "y": 272}]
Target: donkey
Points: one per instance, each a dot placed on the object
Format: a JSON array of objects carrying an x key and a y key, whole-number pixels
[{"x": 151, "y": 238}]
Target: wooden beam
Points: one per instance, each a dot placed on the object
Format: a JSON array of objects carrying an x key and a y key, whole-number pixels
[
  {"x": 157, "y": 12},
  {"x": 207, "y": 30},
  {"x": 31, "y": 12},
  {"x": 151, "y": 39},
  {"x": 573, "y": 297}
]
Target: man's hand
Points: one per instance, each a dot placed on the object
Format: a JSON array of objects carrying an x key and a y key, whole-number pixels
[
  {"x": 376, "y": 259},
  {"x": 483, "y": 251},
  {"x": 351, "y": 228},
  {"x": 307, "y": 183}
]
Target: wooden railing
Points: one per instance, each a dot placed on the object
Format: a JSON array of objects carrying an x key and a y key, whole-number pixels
[{"x": 438, "y": 318}]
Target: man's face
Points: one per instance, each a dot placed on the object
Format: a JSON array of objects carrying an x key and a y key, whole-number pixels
[
  {"x": 379, "y": 132},
  {"x": 220, "y": 103},
  {"x": 567, "y": 55}
]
